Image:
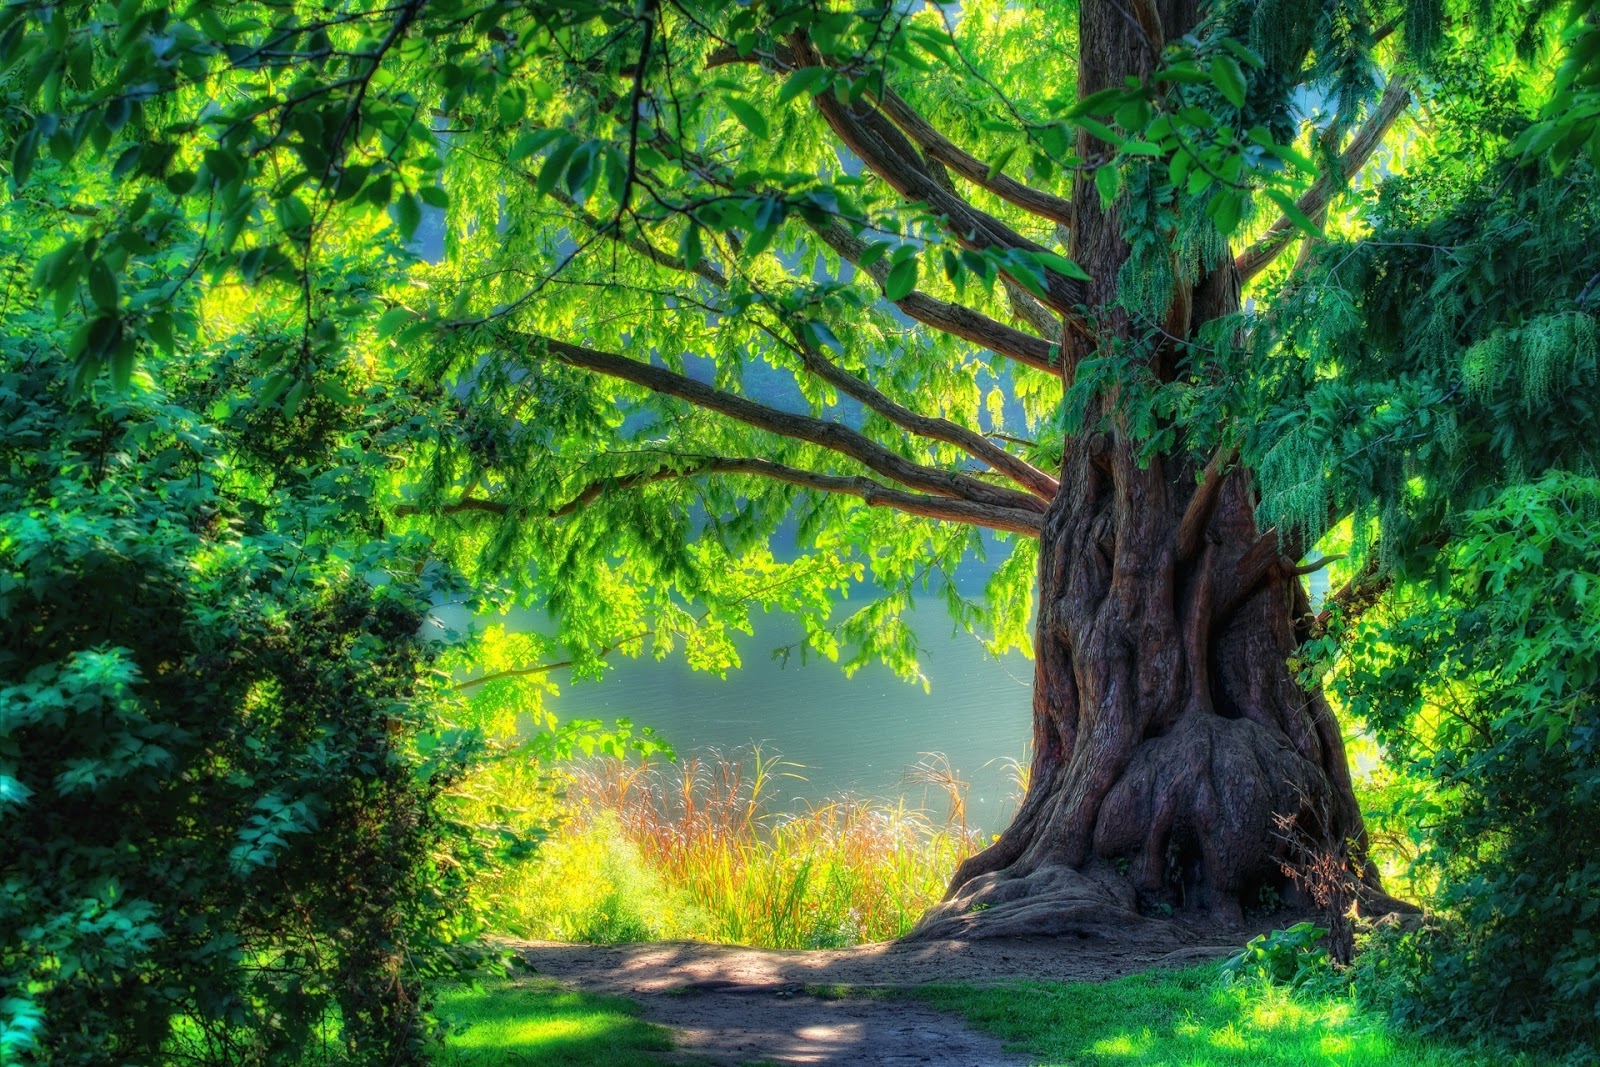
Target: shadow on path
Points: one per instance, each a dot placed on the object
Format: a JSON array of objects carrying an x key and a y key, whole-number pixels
[{"x": 734, "y": 1005}]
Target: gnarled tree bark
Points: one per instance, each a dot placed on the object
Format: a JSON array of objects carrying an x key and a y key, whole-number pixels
[{"x": 1169, "y": 730}]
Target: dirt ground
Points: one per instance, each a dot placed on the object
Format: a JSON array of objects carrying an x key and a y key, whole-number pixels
[{"x": 733, "y": 1005}]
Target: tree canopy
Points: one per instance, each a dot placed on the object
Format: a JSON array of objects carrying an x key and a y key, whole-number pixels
[{"x": 749, "y": 263}]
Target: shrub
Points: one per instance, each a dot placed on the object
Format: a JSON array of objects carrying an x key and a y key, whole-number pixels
[
  {"x": 1485, "y": 685},
  {"x": 221, "y": 752},
  {"x": 1286, "y": 957}
]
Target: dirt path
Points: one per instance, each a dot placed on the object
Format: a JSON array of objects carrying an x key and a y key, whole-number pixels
[{"x": 734, "y": 1005}]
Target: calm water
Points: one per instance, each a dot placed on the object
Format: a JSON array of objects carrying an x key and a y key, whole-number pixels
[
  {"x": 851, "y": 735},
  {"x": 857, "y": 735}
]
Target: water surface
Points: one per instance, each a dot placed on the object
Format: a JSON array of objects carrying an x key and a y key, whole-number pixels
[{"x": 856, "y": 735}]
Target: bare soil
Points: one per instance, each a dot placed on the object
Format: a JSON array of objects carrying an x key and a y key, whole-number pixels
[{"x": 732, "y": 1005}]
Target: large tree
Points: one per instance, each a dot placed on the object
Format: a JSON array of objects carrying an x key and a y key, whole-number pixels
[{"x": 905, "y": 275}]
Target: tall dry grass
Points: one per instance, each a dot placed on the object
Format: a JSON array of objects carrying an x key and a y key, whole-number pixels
[{"x": 701, "y": 849}]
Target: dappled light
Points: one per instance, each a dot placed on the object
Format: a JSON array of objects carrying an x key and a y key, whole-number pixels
[
  {"x": 1195, "y": 1019},
  {"x": 539, "y": 1023}
]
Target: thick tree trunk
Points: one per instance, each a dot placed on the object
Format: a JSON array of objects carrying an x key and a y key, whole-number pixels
[{"x": 1169, "y": 732}]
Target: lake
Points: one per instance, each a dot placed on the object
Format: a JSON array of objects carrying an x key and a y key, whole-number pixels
[{"x": 857, "y": 735}]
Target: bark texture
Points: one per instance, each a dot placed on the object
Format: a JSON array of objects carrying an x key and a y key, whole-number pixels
[{"x": 1169, "y": 732}]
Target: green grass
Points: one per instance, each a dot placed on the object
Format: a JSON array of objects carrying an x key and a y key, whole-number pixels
[
  {"x": 1190, "y": 1019},
  {"x": 531, "y": 1022}
]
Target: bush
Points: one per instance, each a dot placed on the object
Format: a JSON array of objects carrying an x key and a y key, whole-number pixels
[
  {"x": 1284, "y": 957},
  {"x": 220, "y": 750},
  {"x": 1485, "y": 686}
]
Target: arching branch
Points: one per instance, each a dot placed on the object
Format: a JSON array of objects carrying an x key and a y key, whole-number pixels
[
  {"x": 875, "y": 494},
  {"x": 937, "y": 429},
  {"x": 879, "y": 144},
  {"x": 974, "y": 444},
  {"x": 940, "y": 148},
  {"x": 830, "y": 435},
  {"x": 1396, "y": 98},
  {"x": 957, "y": 320},
  {"x": 935, "y": 145}
]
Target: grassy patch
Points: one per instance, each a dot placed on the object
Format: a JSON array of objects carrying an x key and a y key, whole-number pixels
[
  {"x": 1189, "y": 1019},
  {"x": 646, "y": 851},
  {"x": 536, "y": 1021}
]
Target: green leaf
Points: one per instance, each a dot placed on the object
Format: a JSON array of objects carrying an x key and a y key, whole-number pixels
[
  {"x": 1293, "y": 212},
  {"x": 690, "y": 247},
  {"x": 408, "y": 214},
  {"x": 392, "y": 320},
  {"x": 293, "y": 215},
  {"x": 582, "y": 172},
  {"x": 1249, "y": 56},
  {"x": 1061, "y": 265},
  {"x": 530, "y": 144},
  {"x": 999, "y": 165},
  {"x": 1101, "y": 130},
  {"x": 1108, "y": 180},
  {"x": 902, "y": 279},
  {"x": 872, "y": 253},
  {"x": 555, "y": 164},
  {"x": 512, "y": 104},
  {"x": 1224, "y": 210},
  {"x": 103, "y": 284},
  {"x": 810, "y": 80},
  {"x": 1229, "y": 79},
  {"x": 747, "y": 114},
  {"x": 122, "y": 362}
]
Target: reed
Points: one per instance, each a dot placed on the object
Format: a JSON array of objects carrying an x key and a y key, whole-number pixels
[{"x": 703, "y": 849}]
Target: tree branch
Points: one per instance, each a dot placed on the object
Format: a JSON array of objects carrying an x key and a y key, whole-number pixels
[
  {"x": 939, "y": 147},
  {"x": 884, "y": 149},
  {"x": 830, "y": 435},
  {"x": 974, "y": 444},
  {"x": 1396, "y": 98},
  {"x": 957, "y": 320},
  {"x": 995, "y": 517},
  {"x": 935, "y": 145}
]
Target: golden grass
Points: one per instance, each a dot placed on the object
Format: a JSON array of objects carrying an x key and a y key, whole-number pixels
[{"x": 646, "y": 850}]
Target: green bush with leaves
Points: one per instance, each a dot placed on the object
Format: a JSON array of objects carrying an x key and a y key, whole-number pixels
[
  {"x": 1286, "y": 957},
  {"x": 1486, "y": 684},
  {"x": 223, "y": 740}
]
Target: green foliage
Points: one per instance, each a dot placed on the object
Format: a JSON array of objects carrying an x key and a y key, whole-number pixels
[
  {"x": 224, "y": 737},
  {"x": 1285, "y": 957},
  {"x": 1447, "y": 346},
  {"x": 671, "y": 160},
  {"x": 1484, "y": 684},
  {"x": 655, "y": 280}
]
